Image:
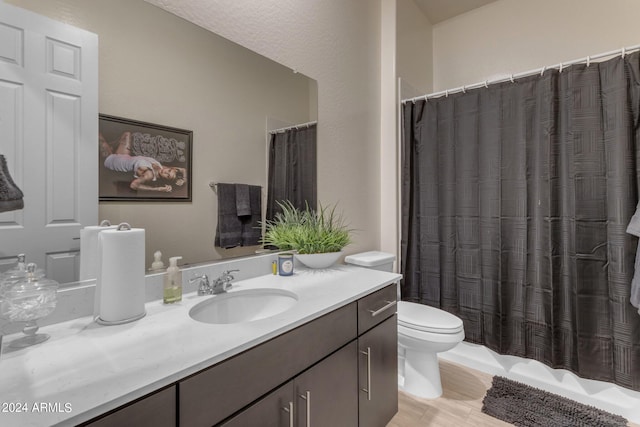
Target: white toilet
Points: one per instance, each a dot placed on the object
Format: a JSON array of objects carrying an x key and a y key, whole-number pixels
[{"x": 423, "y": 332}]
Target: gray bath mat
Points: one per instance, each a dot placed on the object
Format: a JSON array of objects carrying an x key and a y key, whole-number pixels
[{"x": 523, "y": 405}]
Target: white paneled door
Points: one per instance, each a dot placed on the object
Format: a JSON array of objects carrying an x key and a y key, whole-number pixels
[{"x": 49, "y": 137}]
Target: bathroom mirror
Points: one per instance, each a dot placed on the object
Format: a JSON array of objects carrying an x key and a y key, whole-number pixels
[{"x": 158, "y": 68}]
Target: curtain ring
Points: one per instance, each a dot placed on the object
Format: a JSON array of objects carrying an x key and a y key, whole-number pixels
[
  {"x": 543, "y": 70},
  {"x": 512, "y": 79},
  {"x": 486, "y": 84},
  {"x": 561, "y": 67},
  {"x": 623, "y": 52},
  {"x": 446, "y": 93},
  {"x": 588, "y": 61},
  {"x": 464, "y": 89}
]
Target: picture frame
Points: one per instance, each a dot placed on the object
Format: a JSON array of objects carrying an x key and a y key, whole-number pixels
[{"x": 143, "y": 162}]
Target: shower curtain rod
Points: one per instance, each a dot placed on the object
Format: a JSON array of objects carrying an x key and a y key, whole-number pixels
[
  {"x": 587, "y": 60},
  {"x": 293, "y": 127}
]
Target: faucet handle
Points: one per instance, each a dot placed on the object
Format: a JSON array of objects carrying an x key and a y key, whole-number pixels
[
  {"x": 200, "y": 278},
  {"x": 226, "y": 275},
  {"x": 203, "y": 283},
  {"x": 226, "y": 279}
]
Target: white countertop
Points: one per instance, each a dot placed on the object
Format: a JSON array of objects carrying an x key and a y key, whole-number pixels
[{"x": 86, "y": 369}]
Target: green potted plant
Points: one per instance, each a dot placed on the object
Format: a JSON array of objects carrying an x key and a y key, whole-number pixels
[{"x": 316, "y": 236}]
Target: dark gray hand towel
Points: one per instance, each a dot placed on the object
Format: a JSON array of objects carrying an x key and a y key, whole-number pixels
[
  {"x": 251, "y": 229},
  {"x": 229, "y": 229},
  {"x": 243, "y": 202}
]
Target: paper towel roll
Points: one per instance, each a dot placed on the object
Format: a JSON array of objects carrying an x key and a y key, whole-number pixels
[
  {"x": 121, "y": 281},
  {"x": 89, "y": 249}
]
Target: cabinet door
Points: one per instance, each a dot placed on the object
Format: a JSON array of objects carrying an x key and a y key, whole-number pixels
[
  {"x": 158, "y": 410},
  {"x": 274, "y": 410},
  {"x": 326, "y": 394},
  {"x": 378, "y": 374}
]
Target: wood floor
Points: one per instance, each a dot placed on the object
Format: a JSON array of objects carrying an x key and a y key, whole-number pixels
[{"x": 459, "y": 406}]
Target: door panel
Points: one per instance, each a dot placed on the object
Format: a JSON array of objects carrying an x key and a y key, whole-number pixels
[
  {"x": 326, "y": 394},
  {"x": 378, "y": 374},
  {"x": 48, "y": 135}
]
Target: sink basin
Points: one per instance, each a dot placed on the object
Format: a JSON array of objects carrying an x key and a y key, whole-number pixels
[{"x": 243, "y": 306}]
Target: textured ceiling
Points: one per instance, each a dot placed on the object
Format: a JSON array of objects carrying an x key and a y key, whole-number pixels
[{"x": 441, "y": 10}]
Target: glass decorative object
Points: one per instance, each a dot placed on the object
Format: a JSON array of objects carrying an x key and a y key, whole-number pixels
[
  {"x": 17, "y": 273},
  {"x": 28, "y": 299}
]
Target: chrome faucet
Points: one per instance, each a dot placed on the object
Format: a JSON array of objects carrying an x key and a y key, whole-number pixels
[
  {"x": 222, "y": 283},
  {"x": 204, "y": 287},
  {"x": 219, "y": 285}
]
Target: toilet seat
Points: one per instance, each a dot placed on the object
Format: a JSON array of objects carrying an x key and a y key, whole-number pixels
[{"x": 425, "y": 318}]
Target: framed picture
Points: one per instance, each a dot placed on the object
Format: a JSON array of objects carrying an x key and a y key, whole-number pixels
[{"x": 143, "y": 161}]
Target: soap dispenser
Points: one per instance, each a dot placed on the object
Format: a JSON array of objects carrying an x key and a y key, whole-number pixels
[
  {"x": 173, "y": 282},
  {"x": 157, "y": 263}
]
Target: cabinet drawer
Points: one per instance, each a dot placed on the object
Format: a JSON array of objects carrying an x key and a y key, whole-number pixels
[
  {"x": 157, "y": 409},
  {"x": 376, "y": 307},
  {"x": 212, "y": 395}
]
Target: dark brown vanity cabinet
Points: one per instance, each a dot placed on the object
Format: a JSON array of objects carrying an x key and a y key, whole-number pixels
[
  {"x": 356, "y": 386},
  {"x": 276, "y": 409},
  {"x": 157, "y": 409},
  {"x": 337, "y": 370},
  {"x": 214, "y": 394},
  {"x": 378, "y": 357},
  {"x": 324, "y": 395}
]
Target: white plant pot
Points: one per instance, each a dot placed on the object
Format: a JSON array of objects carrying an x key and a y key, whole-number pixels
[{"x": 319, "y": 260}]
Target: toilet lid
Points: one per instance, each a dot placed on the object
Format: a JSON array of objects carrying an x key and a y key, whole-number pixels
[{"x": 426, "y": 318}]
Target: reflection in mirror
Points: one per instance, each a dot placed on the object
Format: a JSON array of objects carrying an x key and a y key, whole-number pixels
[
  {"x": 157, "y": 68},
  {"x": 292, "y": 168}
]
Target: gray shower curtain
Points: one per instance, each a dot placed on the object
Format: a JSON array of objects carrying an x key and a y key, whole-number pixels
[
  {"x": 292, "y": 169},
  {"x": 515, "y": 201}
]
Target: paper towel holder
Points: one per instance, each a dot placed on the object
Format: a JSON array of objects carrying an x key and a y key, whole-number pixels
[{"x": 99, "y": 320}]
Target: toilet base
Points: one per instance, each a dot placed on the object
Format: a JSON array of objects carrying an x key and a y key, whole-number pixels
[{"x": 421, "y": 374}]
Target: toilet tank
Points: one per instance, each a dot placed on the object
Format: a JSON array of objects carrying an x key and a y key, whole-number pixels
[{"x": 373, "y": 259}]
